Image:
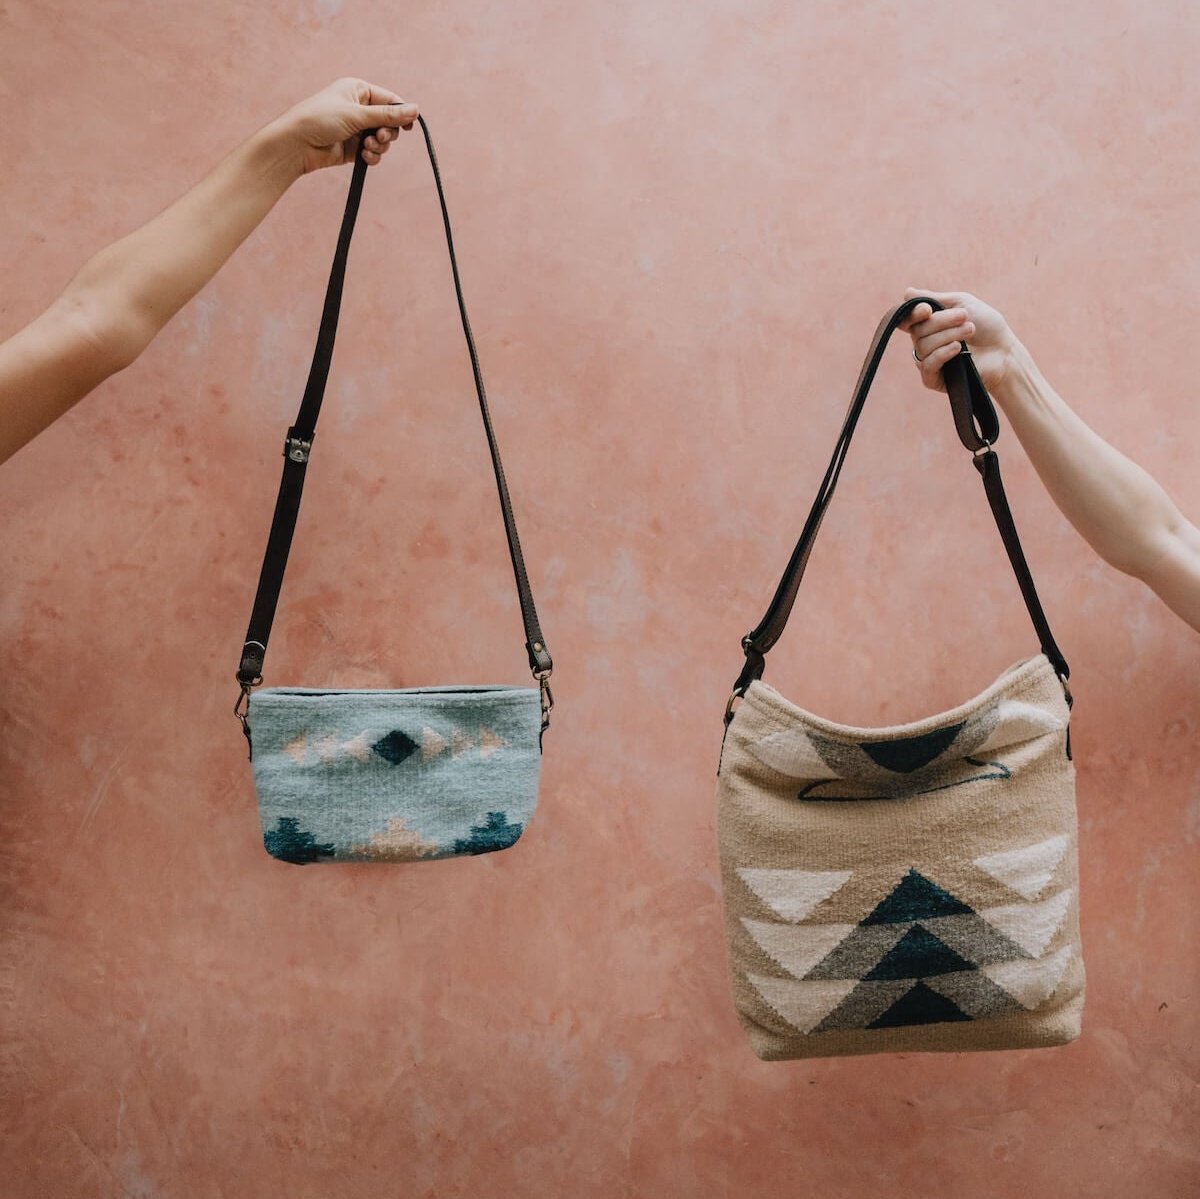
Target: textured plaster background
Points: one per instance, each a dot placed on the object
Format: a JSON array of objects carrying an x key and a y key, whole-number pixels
[{"x": 679, "y": 223}]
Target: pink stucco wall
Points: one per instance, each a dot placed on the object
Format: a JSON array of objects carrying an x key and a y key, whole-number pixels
[{"x": 679, "y": 223}]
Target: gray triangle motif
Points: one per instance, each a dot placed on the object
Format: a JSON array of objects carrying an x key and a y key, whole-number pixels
[
  {"x": 859, "y": 953},
  {"x": 974, "y": 938},
  {"x": 975, "y": 993},
  {"x": 865, "y": 1004}
]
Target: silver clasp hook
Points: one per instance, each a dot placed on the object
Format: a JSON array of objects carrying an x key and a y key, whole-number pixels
[
  {"x": 543, "y": 678},
  {"x": 241, "y": 709}
]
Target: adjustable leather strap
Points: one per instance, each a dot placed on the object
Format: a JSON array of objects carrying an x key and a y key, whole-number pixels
[
  {"x": 298, "y": 446},
  {"x": 988, "y": 465},
  {"x": 977, "y": 425}
]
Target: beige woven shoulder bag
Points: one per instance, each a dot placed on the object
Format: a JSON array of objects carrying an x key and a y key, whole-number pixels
[{"x": 911, "y": 888}]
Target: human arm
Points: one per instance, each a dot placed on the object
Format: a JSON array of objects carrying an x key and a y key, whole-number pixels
[
  {"x": 1118, "y": 508},
  {"x": 126, "y": 293}
]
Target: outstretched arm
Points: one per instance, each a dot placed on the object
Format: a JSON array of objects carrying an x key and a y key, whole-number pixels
[
  {"x": 126, "y": 293},
  {"x": 1123, "y": 513}
]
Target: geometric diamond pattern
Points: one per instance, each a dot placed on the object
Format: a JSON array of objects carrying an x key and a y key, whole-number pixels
[{"x": 395, "y": 747}]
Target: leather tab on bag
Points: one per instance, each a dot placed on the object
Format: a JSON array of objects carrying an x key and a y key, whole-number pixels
[
  {"x": 756, "y": 663},
  {"x": 249, "y": 670},
  {"x": 540, "y": 661}
]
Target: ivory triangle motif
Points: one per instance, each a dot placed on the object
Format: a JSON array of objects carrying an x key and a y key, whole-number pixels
[
  {"x": 1026, "y": 870},
  {"x": 432, "y": 744},
  {"x": 793, "y": 894},
  {"x": 796, "y": 947},
  {"x": 1031, "y": 983},
  {"x": 1030, "y": 925},
  {"x": 802, "y": 1005}
]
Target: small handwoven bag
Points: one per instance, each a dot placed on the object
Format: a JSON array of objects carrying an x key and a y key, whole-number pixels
[
  {"x": 911, "y": 888},
  {"x": 387, "y": 776}
]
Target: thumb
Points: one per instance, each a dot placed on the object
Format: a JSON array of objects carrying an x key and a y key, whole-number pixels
[
  {"x": 948, "y": 299},
  {"x": 400, "y": 115}
]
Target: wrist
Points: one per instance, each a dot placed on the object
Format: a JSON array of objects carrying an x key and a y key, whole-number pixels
[
  {"x": 277, "y": 153},
  {"x": 1017, "y": 371}
]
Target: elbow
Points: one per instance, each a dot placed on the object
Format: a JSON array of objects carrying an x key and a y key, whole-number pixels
[
  {"x": 1175, "y": 541},
  {"x": 108, "y": 338},
  {"x": 108, "y": 330}
]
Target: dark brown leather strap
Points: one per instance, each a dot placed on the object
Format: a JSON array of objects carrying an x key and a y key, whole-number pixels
[
  {"x": 298, "y": 446},
  {"x": 978, "y": 427}
]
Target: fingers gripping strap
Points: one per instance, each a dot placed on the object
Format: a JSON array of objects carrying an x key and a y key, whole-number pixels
[
  {"x": 977, "y": 425},
  {"x": 300, "y": 438}
]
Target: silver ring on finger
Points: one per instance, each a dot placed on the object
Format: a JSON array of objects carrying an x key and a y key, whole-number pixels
[{"x": 918, "y": 360}]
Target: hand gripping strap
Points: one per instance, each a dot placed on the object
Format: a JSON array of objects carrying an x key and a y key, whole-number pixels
[
  {"x": 977, "y": 426},
  {"x": 298, "y": 445}
]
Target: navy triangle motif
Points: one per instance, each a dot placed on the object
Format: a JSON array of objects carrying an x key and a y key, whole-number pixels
[
  {"x": 920, "y": 1005},
  {"x": 916, "y": 898},
  {"x": 911, "y": 753},
  {"x": 918, "y": 954}
]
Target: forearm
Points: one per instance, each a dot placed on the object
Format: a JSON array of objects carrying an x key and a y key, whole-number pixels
[
  {"x": 1127, "y": 518},
  {"x": 131, "y": 289},
  {"x": 125, "y": 294}
]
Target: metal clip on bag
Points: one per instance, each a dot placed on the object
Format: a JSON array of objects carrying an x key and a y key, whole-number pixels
[
  {"x": 912, "y": 888},
  {"x": 387, "y": 776}
]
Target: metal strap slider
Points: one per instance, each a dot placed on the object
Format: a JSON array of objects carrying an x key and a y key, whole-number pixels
[{"x": 296, "y": 448}]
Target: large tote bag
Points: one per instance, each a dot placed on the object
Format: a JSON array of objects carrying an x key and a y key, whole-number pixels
[
  {"x": 399, "y": 775},
  {"x": 913, "y": 887}
]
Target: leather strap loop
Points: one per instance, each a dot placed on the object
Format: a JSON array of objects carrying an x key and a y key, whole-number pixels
[
  {"x": 978, "y": 428},
  {"x": 300, "y": 436}
]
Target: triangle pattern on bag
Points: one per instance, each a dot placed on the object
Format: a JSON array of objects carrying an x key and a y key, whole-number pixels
[
  {"x": 793, "y": 894},
  {"x": 1026, "y": 870},
  {"x": 1031, "y": 925},
  {"x": 432, "y": 744},
  {"x": 1031, "y": 983},
  {"x": 919, "y": 1005},
  {"x": 802, "y": 1005},
  {"x": 976, "y": 994},
  {"x": 916, "y": 898},
  {"x": 918, "y": 954},
  {"x": 974, "y": 938},
  {"x": 905, "y": 754},
  {"x": 796, "y": 947}
]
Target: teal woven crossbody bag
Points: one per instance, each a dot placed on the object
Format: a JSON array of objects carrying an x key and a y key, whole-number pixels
[{"x": 387, "y": 776}]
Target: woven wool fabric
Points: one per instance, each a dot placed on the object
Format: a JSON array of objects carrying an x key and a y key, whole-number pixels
[
  {"x": 902, "y": 889},
  {"x": 394, "y": 776}
]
